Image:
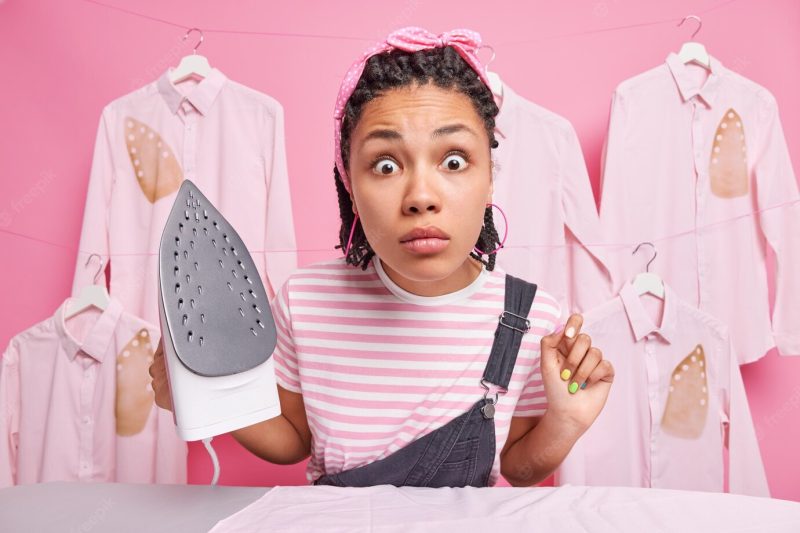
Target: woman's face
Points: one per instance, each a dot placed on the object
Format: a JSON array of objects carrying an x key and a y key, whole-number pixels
[{"x": 420, "y": 161}]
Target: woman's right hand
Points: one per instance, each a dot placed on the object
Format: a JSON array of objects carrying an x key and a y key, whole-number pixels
[{"x": 158, "y": 371}]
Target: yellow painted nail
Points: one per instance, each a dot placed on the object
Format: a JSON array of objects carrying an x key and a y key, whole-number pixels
[
  {"x": 573, "y": 387},
  {"x": 566, "y": 374}
]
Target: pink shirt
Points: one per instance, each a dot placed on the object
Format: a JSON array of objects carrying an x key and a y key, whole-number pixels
[
  {"x": 677, "y": 401},
  {"x": 225, "y": 137},
  {"x": 542, "y": 184},
  {"x": 701, "y": 169},
  {"x": 379, "y": 367},
  {"x": 76, "y": 403}
]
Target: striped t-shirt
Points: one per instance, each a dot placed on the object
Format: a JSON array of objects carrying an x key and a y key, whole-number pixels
[{"x": 379, "y": 367}]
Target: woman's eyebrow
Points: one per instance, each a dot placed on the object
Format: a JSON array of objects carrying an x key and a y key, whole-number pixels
[
  {"x": 452, "y": 128},
  {"x": 382, "y": 134}
]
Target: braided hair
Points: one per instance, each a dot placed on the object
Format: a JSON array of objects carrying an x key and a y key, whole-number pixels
[{"x": 393, "y": 69}]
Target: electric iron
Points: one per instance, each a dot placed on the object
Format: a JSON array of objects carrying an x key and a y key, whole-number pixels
[{"x": 216, "y": 323}]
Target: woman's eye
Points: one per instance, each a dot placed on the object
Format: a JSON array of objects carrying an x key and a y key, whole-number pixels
[
  {"x": 385, "y": 167},
  {"x": 455, "y": 162}
]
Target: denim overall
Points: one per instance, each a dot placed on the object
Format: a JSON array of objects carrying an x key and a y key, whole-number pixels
[{"x": 460, "y": 453}]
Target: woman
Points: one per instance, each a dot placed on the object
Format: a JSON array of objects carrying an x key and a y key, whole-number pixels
[{"x": 392, "y": 365}]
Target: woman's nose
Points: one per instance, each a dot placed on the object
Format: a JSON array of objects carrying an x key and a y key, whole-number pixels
[{"x": 421, "y": 196}]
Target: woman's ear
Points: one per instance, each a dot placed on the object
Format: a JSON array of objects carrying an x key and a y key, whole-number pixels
[{"x": 353, "y": 203}]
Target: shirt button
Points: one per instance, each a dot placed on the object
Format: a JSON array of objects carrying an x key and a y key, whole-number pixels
[{"x": 87, "y": 420}]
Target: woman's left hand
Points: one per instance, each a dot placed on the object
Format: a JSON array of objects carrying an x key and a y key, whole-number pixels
[{"x": 576, "y": 377}]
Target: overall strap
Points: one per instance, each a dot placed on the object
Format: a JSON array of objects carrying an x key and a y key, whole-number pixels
[{"x": 513, "y": 324}]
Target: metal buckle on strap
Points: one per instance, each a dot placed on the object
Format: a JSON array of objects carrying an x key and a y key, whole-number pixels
[
  {"x": 527, "y": 322},
  {"x": 488, "y": 409},
  {"x": 487, "y": 389}
]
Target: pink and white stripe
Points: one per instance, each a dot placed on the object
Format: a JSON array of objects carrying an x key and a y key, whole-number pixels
[{"x": 379, "y": 367}]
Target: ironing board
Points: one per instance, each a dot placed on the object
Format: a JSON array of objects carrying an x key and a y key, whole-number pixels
[{"x": 119, "y": 507}]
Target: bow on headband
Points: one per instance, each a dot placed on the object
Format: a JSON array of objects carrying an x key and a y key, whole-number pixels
[{"x": 411, "y": 39}]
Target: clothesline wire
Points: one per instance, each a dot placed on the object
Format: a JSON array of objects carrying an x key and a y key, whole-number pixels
[
  {"x": 217, "y": 30},
  {"x": 133, "y": 13},
  {"x": 589, "y": 246},
  {"x": 616, "y": 28}
]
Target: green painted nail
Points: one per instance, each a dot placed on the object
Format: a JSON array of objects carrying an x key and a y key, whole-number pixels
[{"x": 573, "y": 387}]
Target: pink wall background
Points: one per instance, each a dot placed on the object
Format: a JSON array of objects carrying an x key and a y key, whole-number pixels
[{"x": 61, "y": 62}]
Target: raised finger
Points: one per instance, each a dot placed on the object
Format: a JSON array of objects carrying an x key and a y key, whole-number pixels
[{"x": 571, "y": 331}]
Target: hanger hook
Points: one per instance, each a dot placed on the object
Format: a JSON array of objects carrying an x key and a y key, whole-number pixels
[
  {"x": 699, "y": 23},
  {"x": 202, "y": 38},
  {"x": 655, "y": 253},
  {"x": 99, "y": 270},
  {"x": 494, "y": 54}
]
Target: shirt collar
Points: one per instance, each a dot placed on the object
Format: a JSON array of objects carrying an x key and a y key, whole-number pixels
[
  {"x": 639, "y": 318},
  {"x": 99, "y": 336},
  {"x": 450, "y": 298},
  {"x": 202, "y": 96},
  {"x": 688, "y": 86}
]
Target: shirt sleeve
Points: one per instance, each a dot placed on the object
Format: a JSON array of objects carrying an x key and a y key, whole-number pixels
[
  {"x": 94, "y": 233},
  {"x": 610, "y": 164},
  {"x": 279, "y": 238},
  {"x": 546, "y": 314},
  {"x": 9, "y": 416},
  {"x": 779, "y": 214},
  {"x": 614, "y": 196},
  {"x": 285, "y": 356},
  {"x": 589, "y": 276},
  {"x": 746, "y": 469}
]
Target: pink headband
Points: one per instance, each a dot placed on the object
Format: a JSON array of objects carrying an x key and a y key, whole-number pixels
[{"x": 411, "y": 39}]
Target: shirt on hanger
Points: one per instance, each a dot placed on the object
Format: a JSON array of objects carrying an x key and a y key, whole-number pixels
[
  {"x": 379, "y": 367},
  {"x": 76, "y": 403},
  {"x": 700, "y": 168},
  {"x": 542, "y": 184},
  {"x": 677, "y": 401},
  {"x": 225, "y": 137}
]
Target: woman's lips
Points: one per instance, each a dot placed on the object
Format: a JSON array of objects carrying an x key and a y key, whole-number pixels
[
  {"x": 426, "y": 245},
  {"x": 427, "y": 240}
]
